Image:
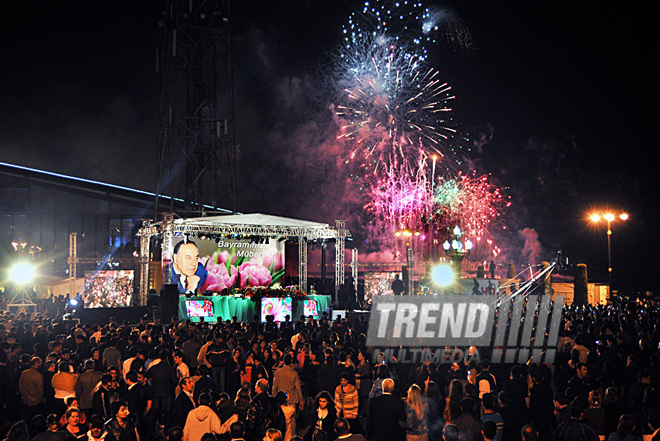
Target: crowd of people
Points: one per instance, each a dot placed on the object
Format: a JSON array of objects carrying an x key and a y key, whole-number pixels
[
  {"x": 315, "y": 380},
  {"x": 109, "y": 289}
]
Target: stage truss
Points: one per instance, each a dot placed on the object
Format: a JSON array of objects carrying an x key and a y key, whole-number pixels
[{"x": 243, "y": 225}]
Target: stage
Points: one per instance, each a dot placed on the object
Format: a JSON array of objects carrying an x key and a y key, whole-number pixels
[{"x": 245, "y": 309}]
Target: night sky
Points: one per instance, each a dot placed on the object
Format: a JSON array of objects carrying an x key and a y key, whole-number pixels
[{"x": 558, "y": 100}]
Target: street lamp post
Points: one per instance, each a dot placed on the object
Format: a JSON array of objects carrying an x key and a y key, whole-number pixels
[
  {"x": 410, "y": 259},
  {"x": 609, "y": 217},
  {"x": 457, "y": 249}
]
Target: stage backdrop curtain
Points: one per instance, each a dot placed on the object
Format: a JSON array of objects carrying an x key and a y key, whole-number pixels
[{"x": 226, "y": 307}]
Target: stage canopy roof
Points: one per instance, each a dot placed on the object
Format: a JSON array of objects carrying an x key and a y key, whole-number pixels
[{"x": 254, "y": 224}]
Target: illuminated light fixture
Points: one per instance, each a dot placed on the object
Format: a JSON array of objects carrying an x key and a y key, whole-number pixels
[
  {"x": 22, "y": 273},
  {"x": 442, "y": 275}
]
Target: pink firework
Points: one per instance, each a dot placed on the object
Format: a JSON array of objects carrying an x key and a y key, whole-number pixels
[
  {"x": 400, "y": 197},
  {"x": 471, "y": 202}
]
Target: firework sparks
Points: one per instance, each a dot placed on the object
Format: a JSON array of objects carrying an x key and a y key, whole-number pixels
[
  {"x": 393, "y": 105},
  {"x": 471, "y": 202},
  {"x": 395, "y": 115}
]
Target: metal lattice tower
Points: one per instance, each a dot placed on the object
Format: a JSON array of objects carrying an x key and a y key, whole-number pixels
[
  {"x": 340, "y": 258},
  {"x": 196, "y": 149}
]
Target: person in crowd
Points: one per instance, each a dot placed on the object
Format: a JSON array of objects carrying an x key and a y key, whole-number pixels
[
  {"x": 182, "y": 370},
  {"x": 594, "y": 415},
  {"x": 121, "y": 426},
  {"x": 242, "y": 402},
  {"x": 435, "y": 403},
  {"x": 175, "y": 434},
  {"x": 489, "y": 414},
  {"x": 96, "y": 431},
  {"x": 202, "y": 420},
  {"x": 575, "y": 429},
  {"x": 73, "y": 428},
  {"x": 347, "y": 401},
  {"x": 273, "y": 435},
  {"x": 18, "y": 432},
  {"x": 163, "y": 382},
  {"x": 87, "y": 382},
  {"x": 103, "y": 396},
  {"x": 467, "y": 422},
  {"x": 363, "y": 381},
  {"x": 64, "y": 385},
  {"x": 31, "y": 388},
  {"x": 287, "y": 380},
  {"x": 289, "y": 415},
  {"x": 453, "y": 401},
  {"x": 323, "y": 416},
  {"x": 72, "y": 402},
  {"x": 654, "y": 426},
  {"x": 385, "y": 413},
  {"x": 450, "y": 433},
  {"x": 263, "y": 412},
  {"x": 625, "y": 430},
  {"x": 343, "y": 431},
  {"x": 237, "y": 431},
  {"x": 529, "y": 433},
  {"x": 622, "y": 360},
  {"x": 488, "y": 430},
  {"x": 184, "y": 402},
  {"x": 417, "y": 414}
]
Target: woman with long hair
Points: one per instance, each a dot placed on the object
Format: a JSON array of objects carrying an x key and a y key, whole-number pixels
[
  {"x": 417, "y": 413},
  {"x": 436, "y": 405},
  {"x": 242, "y": 401},
  {"x": 453, "y": 402},
  {"x": 324, "y": 415}
]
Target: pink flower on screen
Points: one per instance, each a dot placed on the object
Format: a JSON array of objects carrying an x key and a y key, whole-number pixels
[
  {"x": 254, "y": 274},
  {"x": 218, "y": 278},
  {"x": 275, "y": 259},
  {"x": 222, "y": 257}
]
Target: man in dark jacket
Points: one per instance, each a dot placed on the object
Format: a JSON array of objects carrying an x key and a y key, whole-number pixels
[
  {"x": 384, "y": 414},
  {"x": 183, "y": 403},
  {"x": 87, "y": 382},
  {"x": 263, "y": 413},
  {"x": 575, "y": 428},
  {"x": 163, "y": 382}
]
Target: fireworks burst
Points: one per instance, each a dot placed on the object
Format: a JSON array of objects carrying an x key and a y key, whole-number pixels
[
  {"x": 395, "y": 114},
  {"x": 393, "y": 105},
  {"x": 472, "y": 203},
  {"x": 401, "y": 197}
]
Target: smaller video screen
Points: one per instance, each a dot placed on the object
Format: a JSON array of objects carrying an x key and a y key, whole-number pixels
[
  {"x": 310, "y": 307},
  {"x": 278, "y": 307},
  {"x": 199, "y": 308}
]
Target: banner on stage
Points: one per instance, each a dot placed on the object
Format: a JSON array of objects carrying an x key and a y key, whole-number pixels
[{"x": 233, "y": 263}]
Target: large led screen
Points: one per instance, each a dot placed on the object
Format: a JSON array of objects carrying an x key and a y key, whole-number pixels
[
  {"x": 108, "y": 289},
  {"x": 237, "y": 264},
  {"x": 378, "y": 284}
]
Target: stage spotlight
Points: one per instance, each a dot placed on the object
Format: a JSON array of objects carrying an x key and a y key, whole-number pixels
[
  {"x": 21, "y": 273},
  {"x": 442, "y": 275}
]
